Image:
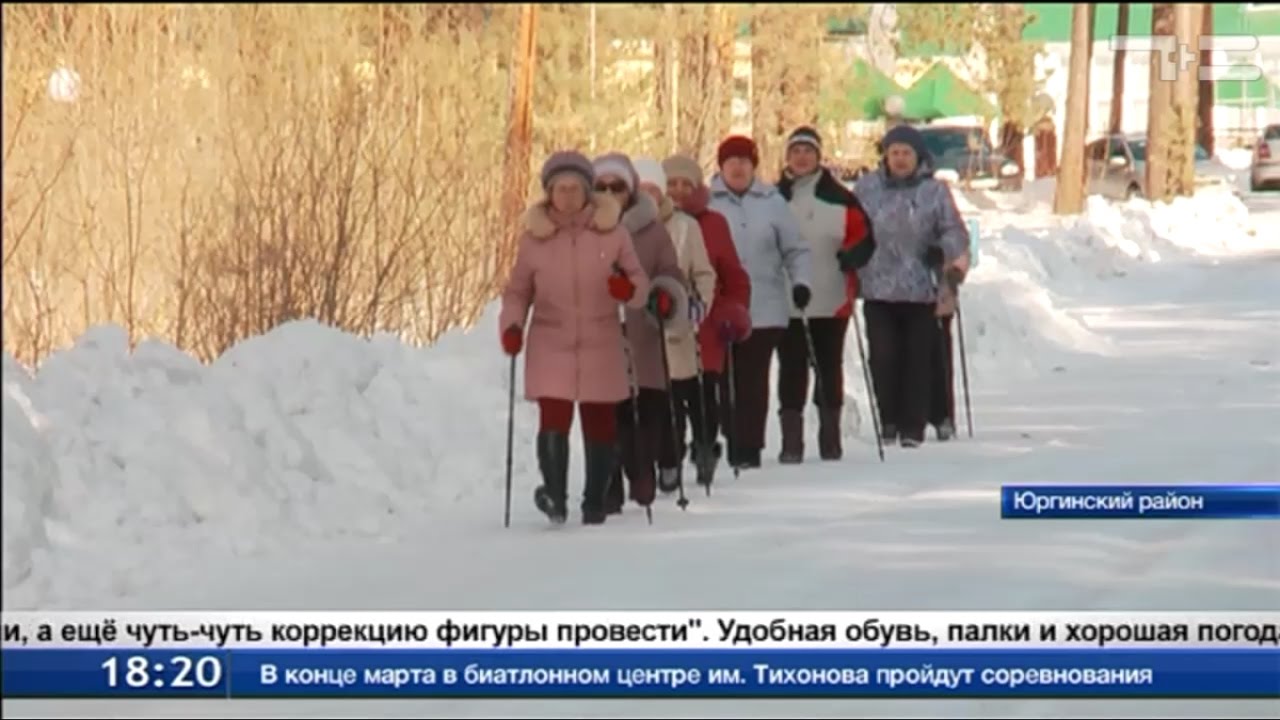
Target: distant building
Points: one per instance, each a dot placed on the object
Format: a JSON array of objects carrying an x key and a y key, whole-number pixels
[{"x": 1240, "y": 107}]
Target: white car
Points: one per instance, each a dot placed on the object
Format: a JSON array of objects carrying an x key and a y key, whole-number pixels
[
  {"x": 1116, "y": 167},
  {"x": 1265, "y": 171}
]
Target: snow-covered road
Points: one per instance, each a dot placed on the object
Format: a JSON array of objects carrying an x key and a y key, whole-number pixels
[{"x": 1088, "y": 366}]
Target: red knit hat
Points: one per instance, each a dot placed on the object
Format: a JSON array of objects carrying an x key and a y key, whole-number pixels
[{"x": 738, "y": 146}]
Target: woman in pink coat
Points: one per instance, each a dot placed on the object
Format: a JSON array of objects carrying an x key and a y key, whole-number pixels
[{"x": 574, "y": 266}]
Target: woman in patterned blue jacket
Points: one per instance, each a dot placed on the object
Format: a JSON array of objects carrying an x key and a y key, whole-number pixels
[{"x": 911, "y": 213}]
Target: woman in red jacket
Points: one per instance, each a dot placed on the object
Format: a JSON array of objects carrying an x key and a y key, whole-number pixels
[{"x": 725, "y": 322}]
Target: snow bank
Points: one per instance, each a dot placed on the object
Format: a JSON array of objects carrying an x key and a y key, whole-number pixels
[
  {"x": 1032, "y": 264},
  {"x": 1215, "y": 221},
  {"x": 305, "y": 432},
  {"x": 1236, "y": 158},
  {"x": 30, "y": 477}
]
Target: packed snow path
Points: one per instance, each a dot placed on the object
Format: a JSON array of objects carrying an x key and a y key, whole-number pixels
[{"x": 1180, "y": 383}]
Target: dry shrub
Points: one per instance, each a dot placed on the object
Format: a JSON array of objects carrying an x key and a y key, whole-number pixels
[{"x": 227, "y": 168}]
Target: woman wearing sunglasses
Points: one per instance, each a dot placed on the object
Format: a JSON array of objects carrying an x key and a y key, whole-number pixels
[
  {"x": 640, "y": 425},
  {"x": 668, "y": 299}
]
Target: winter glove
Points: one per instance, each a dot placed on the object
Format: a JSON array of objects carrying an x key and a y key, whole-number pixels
[
  {"x": 728, "y": 333},
  {"x": 800, "y": 294},
  {"x": 933, "y": 257},
  {"x": 512, "y": 340},
  {"x": 849, "y": 260},
  {"x": 661, "y": 304},
  {"x": 620, "y": 286}
]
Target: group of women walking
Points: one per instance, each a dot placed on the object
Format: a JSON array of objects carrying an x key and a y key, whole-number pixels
[{"x": 654, "y": 303}]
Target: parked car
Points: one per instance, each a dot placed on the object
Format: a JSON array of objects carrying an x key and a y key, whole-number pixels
[
  {"x": 1265, "y": 168},
  {"x": 966, "y": 151},
  {"x": 1116, "y": 167}
]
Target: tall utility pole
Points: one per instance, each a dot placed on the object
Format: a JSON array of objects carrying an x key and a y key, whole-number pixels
[
  {"x": 1068, "y": 197},
  {"x": 519, "y": 135},
  {"x": 1117, "y": 73}
]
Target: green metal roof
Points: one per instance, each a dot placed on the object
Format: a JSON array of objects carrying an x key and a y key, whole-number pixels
[
  {"x": 1052, "y": 21},
  {"x": 935, "y": 94},
  {"x": 868, "y": 89},
  {"x": 940, "y": 93}
]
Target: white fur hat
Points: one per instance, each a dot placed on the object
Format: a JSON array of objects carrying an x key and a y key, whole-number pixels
[{"x": 650, "y": 171}]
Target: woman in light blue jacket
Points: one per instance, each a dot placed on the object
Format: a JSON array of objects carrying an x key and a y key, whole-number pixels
[
  {"x": 913, "y": 216},
  {"x": 767, "y": 238}
]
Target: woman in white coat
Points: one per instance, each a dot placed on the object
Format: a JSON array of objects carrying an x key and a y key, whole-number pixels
[{"x": 682, "y": 356}]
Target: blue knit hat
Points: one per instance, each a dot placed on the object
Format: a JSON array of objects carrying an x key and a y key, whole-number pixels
[{"x": 908, "y": 135}]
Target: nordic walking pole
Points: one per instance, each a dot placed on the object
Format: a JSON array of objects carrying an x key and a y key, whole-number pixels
[
  {"x": 702, "y": 403},
  {"x": 731, "y": 435},
  {"x": 866, "y": 378},
  {"x": 635, "y": 408},
  {"x": 813, "y": 361},
  {"x": 682, "y": 501},
  {"x": 964, "y": 367},
  {"x": 511, "y": 431}
]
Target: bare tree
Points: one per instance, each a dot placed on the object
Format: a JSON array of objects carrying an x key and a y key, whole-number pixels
[
  {"x": 1069, "y": 195},
  {"x": 519, "y": 134},
  {"x": 1187, "y": 25},
  {"x": 1207, "y": 86},
  {"x": 1160, "y": 125}
]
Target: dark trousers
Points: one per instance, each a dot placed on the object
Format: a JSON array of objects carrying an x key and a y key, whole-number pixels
[
  {"x": 640, "y": 445},
  {"x": 752, "y": 361},
  {"x": 793, "y": 363},
  {"x": 942, "y": 396},
  {"x": 901, "y": 339},
  {"x": 695, "y": 408}
]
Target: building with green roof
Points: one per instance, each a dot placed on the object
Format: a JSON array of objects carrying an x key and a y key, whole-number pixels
[{"x": 1052, "y": 26}]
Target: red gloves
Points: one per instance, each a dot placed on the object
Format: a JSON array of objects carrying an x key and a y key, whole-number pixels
[
  {"x": 512, "y": 340},
  {"x": 734, "y": 323},
  {"x": 727, "y": 332},
  {"x": 621, "y": 287},
  {"x": 661, "y": 304}
]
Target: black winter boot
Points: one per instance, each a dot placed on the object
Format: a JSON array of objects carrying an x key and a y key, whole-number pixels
[
  {"x": 945, "y": 430},
  {"x": 601, "y": 460},
  {"x": 829, "y": 441},
  {"x": 706, "y": 458},
  {"x": 792, "y": 437},
  {"x": 553, "y": 461},
  {"x": 615, "y": 494}
]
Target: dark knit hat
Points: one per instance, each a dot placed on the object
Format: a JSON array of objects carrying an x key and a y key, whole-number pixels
[
  {"x": 805, "y": 135},
  {"x": 567, "y": 161},
  {"x": 738, "y": 146},
  {"x": 908, "y": 135}
]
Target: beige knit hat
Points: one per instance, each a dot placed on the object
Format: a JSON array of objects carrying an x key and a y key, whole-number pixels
[{"x": 683, "y": 166}]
